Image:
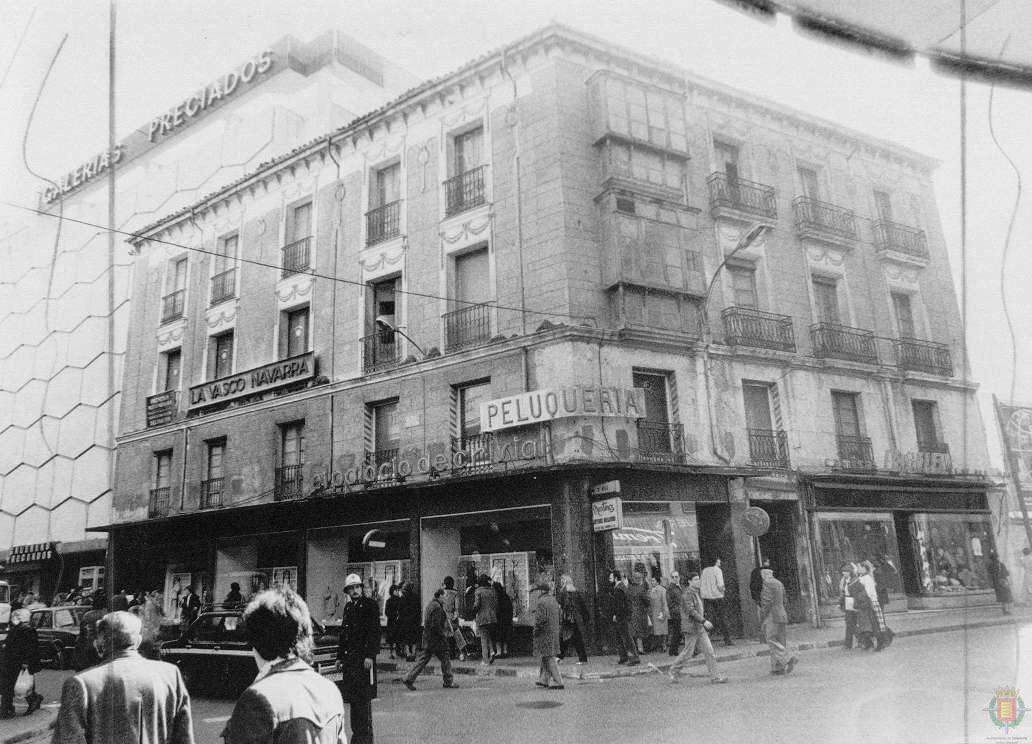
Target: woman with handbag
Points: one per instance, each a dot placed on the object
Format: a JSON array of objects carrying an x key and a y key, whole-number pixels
[{"x": 20, "y": 658}]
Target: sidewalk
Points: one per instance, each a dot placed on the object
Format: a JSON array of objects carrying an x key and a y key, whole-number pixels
[
  {"x": 801, "y": 637},
  {"x": 36, "y": 729}
]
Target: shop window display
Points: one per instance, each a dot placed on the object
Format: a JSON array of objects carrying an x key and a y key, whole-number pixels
[
  {"x": 656, "y": 539},
  {"x": 855, "y": 537},
  {"x": 953, "y": 550},
  {"x": 256, "y": 563}
]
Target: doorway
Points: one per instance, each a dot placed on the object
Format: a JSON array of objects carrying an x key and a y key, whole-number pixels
[
  {"x": 779, "y": 545},
  {"x": 717, "y": 541}
]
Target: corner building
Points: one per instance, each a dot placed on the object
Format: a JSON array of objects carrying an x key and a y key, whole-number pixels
[{"x": 564, "y": 273}]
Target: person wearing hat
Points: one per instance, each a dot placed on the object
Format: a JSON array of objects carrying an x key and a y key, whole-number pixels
[
  {"x": 547, "y": 636},
  {"x": 356, "y": 658}
]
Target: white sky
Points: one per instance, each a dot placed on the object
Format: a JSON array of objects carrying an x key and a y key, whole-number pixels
[{"x": 168, "y": 49}]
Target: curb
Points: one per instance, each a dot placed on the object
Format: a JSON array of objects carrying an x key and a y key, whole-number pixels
[
  {"x": 647, "y": 667},
  {"x": 41, "y": 733}
]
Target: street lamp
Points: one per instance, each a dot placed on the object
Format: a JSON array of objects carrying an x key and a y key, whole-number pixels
[
  {"x": 753, "y": 234},
  {"x": 385, "y": 323}
]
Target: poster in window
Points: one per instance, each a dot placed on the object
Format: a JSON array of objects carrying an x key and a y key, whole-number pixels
[
  {"x": 176, "y": 585},
  {"x": 284, "y": 577}
]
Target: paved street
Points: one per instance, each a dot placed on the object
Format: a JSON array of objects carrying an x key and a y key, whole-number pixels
[{"x": 914, "y": 692}]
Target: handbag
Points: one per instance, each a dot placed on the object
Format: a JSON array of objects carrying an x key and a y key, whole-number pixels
[{"x": 25, "y": 683}]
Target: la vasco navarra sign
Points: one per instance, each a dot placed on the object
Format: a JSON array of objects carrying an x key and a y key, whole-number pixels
[
  {"x": 548, "y": 404},
  {"x": 251, "y": 382}
]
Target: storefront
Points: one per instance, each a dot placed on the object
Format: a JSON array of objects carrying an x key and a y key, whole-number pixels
[
  {"x": 928, "y": 539},
  {"x": 33, "y": 569}
]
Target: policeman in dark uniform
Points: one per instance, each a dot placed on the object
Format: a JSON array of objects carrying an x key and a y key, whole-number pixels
[{"x": 356, "y": 658}]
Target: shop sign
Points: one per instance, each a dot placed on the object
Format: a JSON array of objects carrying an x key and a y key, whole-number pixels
[
  {"x": 258, "y": 380},
  {"x": 84, "y": 173},
  {"x": 755, "y": 521},
  {"x": 480, "y": 455},
  {"x": 928, "y": 463},
  {"x": 221, "y": 88},
  {"x": 607, "y": 514},
  {"x": 30, "y": 553},
  {"x": 602, "y": 489},
  {"x": 547, "y": 404}
]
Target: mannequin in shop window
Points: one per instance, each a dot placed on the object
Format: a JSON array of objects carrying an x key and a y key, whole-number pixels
[{"x": 330, "y": 603}]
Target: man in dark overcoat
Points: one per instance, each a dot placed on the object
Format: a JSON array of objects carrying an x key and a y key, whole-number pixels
[
  {"x": 622, "y": 621},
  {"x": 436, "y": 631},
  {"x": 356, "y": 658}
]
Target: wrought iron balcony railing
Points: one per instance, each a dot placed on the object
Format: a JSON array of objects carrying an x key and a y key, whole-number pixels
[
  {"x": 379, "y": 457},
  {"x": 744, "y": 326},
  {"x": 855, "y": 453},
  {"x": 464, "y": 191},
  {"x": 162, "y": 408},
  {"x": 892, "y": 236},
  {"x": 831, "y": 340},
  {"x": 172, "y": 305},
  {"x": 297, "y": 256},
  {"x": 466, "y": 327},
  {"x": 814, "y": 216},
  {"x": 924, "y": 356},
  {"x": 289, "y": 483},
  {"x": 769, "y": 448},
  {"x": 160, "y": 502},
  {"x": 661, "y": 442},
  {"x": 476, "y": 449},
  {"x": 379, "y": 351},
  {"x": 223, "y": 286},
  {"x": 211, "y": 493},
  {"x": 383, "y": 223},
  {"x": 742, "y": 196}
]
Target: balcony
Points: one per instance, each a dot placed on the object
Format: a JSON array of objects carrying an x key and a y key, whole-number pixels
[
  {"x": 741, "y": 198},
  {"x": 160, "y": 504},
  {"x": 467, "y": 327},
  {"x": 744, "y": 326},
  {"x": 936, "y": 448},
  {"x": 831, "y": 340},
  {"x": 464, "y": 191},
  {"x": 288, "y": 484},
  {"x": 223, "y": 287},
  {"x": 893, "y": 240},
  {"x": 383, "y": 223},
  {"x": 661, "y": 442},
  {"x": 855, "y": 453},
  {"x": 823, "y": 221},
  {"x": 768, "y": 448},
  {"x": 924, "y": 356},
  {"x": 379, "y": 457},
  {"x": 476, "y": 449},
  {"x": 211, "y": 493},
  {"x": 172, "y": 305},
  {"x": 379, "y": 351},
  {"x": 162, "y": 408},
  {"x": 297, "y": 257}
]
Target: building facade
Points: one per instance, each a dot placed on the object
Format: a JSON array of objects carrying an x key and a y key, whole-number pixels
[
  {"x": 64, "y": 310},
  {"x": 459, "y": 327}
]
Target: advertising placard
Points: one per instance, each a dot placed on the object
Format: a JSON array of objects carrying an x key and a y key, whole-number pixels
[{"x": 607, "y": 514}]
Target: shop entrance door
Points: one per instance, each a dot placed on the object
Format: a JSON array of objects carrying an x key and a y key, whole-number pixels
[
  {"x": 716, "y": 541},
  {"x": 779, "y": 546}
]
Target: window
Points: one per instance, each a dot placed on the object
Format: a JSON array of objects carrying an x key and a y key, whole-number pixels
[
  {"x": 220, "y": 355},
  {"x": 299, "y": 222},
  {"x": 162, "y": 469},
  {"x": 904, "y": 315},
  {"x": 171, "y": 369},
  {"x": 382, "y": 296},
  {"x": 212, "y": 487},
  {"x": 469, "y": 323},
  {"x": 43, "y": 619},
  {"x": 854, "y": 449},
  {"x": 216, "y": 452},
  {"x": 386, "y": 185},
  {"x": 467, "y": 151},
  {"x": 825, "y": 297},
  {"x": 631, "y": 161},
  {"x": 292, "y": 459},
  {"x": 294, "y": 332},
  {"x": 743, "y": 285},
  {"x": 472, "y": 277},
  {"x": 174, "y": 301},
  {"x": 177, "y": 275},
  {"x": 646, "y": 114},
  {"x": 659, "y": 440},
  {"x": 726, "y": 156},
  {"x": 808, "y": 180},
  {"x": 386, "y": 434},
  {"x": 226, "y": 253},
  {"x": 768, "y": 445},
  {"x": 927, "y": 426},
  {"x": 757, "y": 406},
  {"x": 883, "y": 205},
  {"x": 468, "y": 400}
]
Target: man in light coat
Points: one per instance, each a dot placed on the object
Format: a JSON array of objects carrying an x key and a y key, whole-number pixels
[
  {"x": 127, "y": 697},
  {"x": 696, "y": 632},
  {"x": 712, "y": 590},
  {"x": 289, "y": 702},
  {"x": 775, "y": 623}
]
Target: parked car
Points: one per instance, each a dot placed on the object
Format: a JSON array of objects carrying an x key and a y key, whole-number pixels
[
  {"x": 57, "y": 629},
  {"x": 214, "y": 656}
]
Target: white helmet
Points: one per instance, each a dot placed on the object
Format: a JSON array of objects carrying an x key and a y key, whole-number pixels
[{"x": 352, "y": 580}]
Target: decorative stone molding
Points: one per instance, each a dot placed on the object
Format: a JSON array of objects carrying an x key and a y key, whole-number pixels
[
  {"x": 467, "y": 232},
  {"x": 383, "y": 259},
  {"x": 222, "y": 317},
  {"x": 293, "y": 290},
  {"x": 825, "y": 258},
  {"x": 170, "y": 336},
  {"x": 899, "y": 275}
]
